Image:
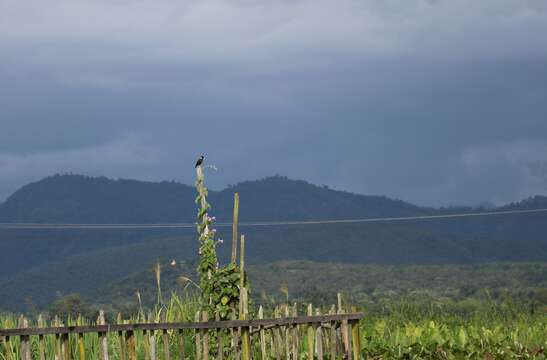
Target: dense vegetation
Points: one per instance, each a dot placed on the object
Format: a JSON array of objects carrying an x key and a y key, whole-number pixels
[
  {"x": 38, "y": 266},
  {"x": 401, "y": 330},
  {"x": 458, "y": 287}
]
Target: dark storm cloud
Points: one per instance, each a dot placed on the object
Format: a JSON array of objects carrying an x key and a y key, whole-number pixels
[{"x": 436, "y": 102}]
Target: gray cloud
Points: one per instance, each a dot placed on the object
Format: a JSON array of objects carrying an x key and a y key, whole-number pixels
[{"x": 436, "y": 102}]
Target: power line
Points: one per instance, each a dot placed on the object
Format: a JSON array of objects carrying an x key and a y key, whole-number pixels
[{"x": 52, "y": 226}]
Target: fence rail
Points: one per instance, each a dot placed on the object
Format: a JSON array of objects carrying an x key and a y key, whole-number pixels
[{"x": 229, "y": 324}]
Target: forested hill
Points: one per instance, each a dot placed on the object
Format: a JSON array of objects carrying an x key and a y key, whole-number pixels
[
  {"x": 82, "y": 199},
  {"x": 38, "y": 264}
]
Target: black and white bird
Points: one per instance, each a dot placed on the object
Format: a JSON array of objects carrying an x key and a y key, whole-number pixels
[{"x": 200, "y": 160}]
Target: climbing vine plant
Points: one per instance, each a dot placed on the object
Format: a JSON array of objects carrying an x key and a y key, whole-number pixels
[{"x": 219, "y": 285}]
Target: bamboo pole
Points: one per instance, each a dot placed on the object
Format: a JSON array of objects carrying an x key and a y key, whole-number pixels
[
  {"x": 130, "y": 340},
  {"x": 242, "y": 263},
  {"x": 165, "y": 340},
  {"x": 332, "y": 338},
  {"x": 58, "y": 354},
  {"x": 310, "y": 334},
  {"x": 121, "y": 338},
  {"x": 235, "y": 339},
  {"x": 349, "y": 351},
  {"x": 220, "y": 344},
  {"x": 205, "y": 336},
  {"x": 294, "y": 332},
  {"x": 245, "y": 336},
  {"x": 41, "y": 342},
  {"x": 262, "y": 335},
  {"x": 24, "y": 340},
  {"x": 198, "y": 337},
  {"x": 66, "y": 347},
  {"x": 318, "y": 337},
  {"x": 287, "y": 334},
  {"x": 234, "y": 227},
  {"x": 81, "y": 345},
  {"x": 344, "y": 327},
  {"x": 151, "y": 338},
  {"x": 277, "y": 336},
  {"x": 103, "y": 341},
  {"x": 356, "y": 337}
]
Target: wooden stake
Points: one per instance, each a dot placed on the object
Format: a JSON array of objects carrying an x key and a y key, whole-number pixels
[
  {"x": 234, "y": 227},
  {"x": 245, "y": 336},
  {"x": 356, "y": 338},
  {"x": 318, "y": 337},
  {"x": 165, "y": 340},
  {"x": 311, "y": 334},
  {"x": 198, "y": 337},
  {"x": 332, "y": 333},
  {"x": 220, "y": 346},
  {"x": 349, "y": 351},
  {"x": 235, "y": 338},
  {"x": 24, "y": 339},
  {"x": 205, "y": 336},
  {"x": 242, "y": 262},
  {"x": 262, "y": 335},
  {"x": 278, "y": 341},
  {"x": 58, "y": 354},
  {"x": 344, "y": 327},
  {"x": 103, "y": 341},
  {"x": 131, "y": 350},
  {"x": 41, "y": 343},
  {"x": 152, "y": 338},
  {"x": 295, "y": 339},
  {"x": 287, "y": 334},
  {"x": 66, "y": 347}
]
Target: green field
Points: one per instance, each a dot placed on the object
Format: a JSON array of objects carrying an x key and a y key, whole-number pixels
[{"x": 401, "y": 330}]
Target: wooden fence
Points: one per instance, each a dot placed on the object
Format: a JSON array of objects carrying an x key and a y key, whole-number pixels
[{"x": 331, "y": 336}]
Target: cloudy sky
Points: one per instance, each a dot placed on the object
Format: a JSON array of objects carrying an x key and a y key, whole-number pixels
[{"x": 436, "y": 102}]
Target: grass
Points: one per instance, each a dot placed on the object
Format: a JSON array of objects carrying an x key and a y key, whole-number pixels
[{"x": 399, "y": 330}]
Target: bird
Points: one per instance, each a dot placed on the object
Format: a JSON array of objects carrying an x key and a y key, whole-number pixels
[{"x": 200, "y": 160}]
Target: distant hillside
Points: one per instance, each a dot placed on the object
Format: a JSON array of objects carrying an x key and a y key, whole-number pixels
[
  {"x": 82, "y": 199},
  {"x": 38, "y": 264}
]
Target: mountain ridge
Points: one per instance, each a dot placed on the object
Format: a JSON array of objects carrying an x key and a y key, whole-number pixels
[
  {"x": 79, "y": 198},
  {"x": 86, "y": 199}
]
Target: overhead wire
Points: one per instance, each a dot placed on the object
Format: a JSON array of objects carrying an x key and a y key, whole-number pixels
[{"x": 109, "y": 226}]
